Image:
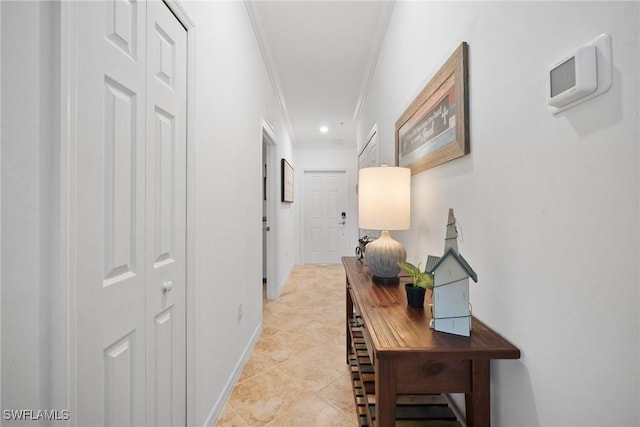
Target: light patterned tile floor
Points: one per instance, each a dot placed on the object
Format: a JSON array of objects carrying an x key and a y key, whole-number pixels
[{"x": 297, "y": 375}]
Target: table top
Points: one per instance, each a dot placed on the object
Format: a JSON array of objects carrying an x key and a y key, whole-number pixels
[{"x": 395, "y": 327}]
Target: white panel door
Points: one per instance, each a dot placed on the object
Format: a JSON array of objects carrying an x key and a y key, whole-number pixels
[
  {"x": 110, "y": 338},
  {"x": 128, "y": 334},
  {"x": 166, "y": 217},
  {"x": 324, "y": 225}
]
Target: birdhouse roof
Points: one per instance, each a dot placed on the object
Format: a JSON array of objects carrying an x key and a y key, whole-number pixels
[
  {"x": 431, "y": 262},
  {"x": 451, "y": 252}
]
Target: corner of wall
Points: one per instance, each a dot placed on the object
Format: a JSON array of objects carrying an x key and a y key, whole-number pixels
[{"x": 283, "y": 283}]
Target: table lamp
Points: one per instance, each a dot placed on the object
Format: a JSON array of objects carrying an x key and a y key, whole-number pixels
[{"x": 384, "y": 203}]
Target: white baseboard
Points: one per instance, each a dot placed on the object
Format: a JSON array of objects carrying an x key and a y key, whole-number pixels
[
  {"x": 283, "y": 283},
  {"x": 218, "y": 407}
]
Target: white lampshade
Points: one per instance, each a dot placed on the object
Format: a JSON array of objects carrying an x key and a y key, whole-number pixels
[
  {"x": 384, "y": 203},
  {"x": 384, "y": 198}
]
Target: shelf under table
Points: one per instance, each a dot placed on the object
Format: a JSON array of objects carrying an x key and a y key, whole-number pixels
[{"x": 412, "y": 410}]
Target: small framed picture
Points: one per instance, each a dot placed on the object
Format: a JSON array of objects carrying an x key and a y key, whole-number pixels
[{"x": 287, "y": 182}]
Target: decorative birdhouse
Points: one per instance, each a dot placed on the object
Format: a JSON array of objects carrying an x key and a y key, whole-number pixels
[
  {"x": 450, "y": 308},
  {"x": 451, "y": 293}
]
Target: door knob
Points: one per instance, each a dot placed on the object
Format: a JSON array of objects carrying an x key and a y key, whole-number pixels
[{"x": 167, "y": 286}]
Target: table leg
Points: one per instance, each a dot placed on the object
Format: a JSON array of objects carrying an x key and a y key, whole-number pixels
[
  {"x": 348, "y": 317},
  {"x": 386, "y": 387},
  {"x": 478, "y": 402}
]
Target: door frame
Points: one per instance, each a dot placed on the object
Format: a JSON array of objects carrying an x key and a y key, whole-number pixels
[
  {"x": 268, "y": 140},
  {"x": 175, "y": 6},
  {"x": 302, "y": 203},
  {"x": 372, "y": 133},
  {"x": 64, "y": 284}
]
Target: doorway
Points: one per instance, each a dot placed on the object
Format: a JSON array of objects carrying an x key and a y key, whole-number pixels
[
  {"x": 269, "y": 287},
  {"x": 325, "y": 220}
]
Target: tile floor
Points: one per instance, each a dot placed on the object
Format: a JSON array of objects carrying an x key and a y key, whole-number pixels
[{"x": 297, "y": 374}]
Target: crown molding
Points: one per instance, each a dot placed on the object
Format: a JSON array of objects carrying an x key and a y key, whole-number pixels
[
  {"x": 376, "y": 47},
  {"x": 256, "y": 23}
]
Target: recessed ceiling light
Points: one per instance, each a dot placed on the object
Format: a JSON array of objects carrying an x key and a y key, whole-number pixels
[{"x": 324, "y": 129}]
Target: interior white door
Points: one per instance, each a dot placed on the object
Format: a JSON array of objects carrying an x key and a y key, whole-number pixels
[
  {"x": 128, "y": 311},
  {"x": 166, "y": 217},
  {"x": 325, "y": 221},
  {"x": 108, "y": 384}
]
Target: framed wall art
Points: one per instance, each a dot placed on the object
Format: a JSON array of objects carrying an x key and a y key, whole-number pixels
[
  {"x": 287, "y": 182},
  {"x": 434, "y": 129}
]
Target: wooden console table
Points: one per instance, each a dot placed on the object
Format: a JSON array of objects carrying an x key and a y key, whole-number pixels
[{"x": 411, "y": 358}]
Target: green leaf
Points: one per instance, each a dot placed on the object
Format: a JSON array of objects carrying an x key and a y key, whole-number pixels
[{"x": 418, "y": 278}]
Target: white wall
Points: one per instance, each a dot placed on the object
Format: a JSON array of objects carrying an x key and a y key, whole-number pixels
[
  {"x": 233, "y": 96},
  {"x": 0, "y": 203},
  {"x": 29, "y": 157},
  {"x": 283, "y": 228},
  {"x": 20, "y": 191},
  {"x": 549, "y": 205},
  {"x": 338, "y": 158}
]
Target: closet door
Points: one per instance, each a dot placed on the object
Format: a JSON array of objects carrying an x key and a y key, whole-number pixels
[
  {"x": 128, "y": 309},
  {"x": 166, "y": 217}
]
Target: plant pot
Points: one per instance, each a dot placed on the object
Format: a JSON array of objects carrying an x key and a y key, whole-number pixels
[{"x": 415, "y": 296}]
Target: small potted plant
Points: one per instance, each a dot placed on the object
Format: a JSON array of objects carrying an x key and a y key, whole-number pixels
[{"x": 420, "y": 282}]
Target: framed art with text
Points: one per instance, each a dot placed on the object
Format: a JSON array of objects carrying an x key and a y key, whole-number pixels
[
  {"x": 434, "y": 129},
  {"x": 287, "y": 182}
]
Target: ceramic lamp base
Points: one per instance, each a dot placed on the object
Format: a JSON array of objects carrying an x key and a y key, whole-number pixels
[
  {"x": 386, "y": 280},
  {"x": 382, "y": 256}
]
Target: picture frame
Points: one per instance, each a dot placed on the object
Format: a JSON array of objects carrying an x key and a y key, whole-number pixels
[
  {"x": 287, "y": 182},
  {"x": 434, "y": 129}
]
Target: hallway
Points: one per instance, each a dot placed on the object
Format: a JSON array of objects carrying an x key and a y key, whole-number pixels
[
  {"x": 297, "y": 374},
  {"x": 89, "y": 202}
]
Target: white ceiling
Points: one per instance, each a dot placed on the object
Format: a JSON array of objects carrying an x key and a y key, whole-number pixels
[{"x": 320, "y": 56}]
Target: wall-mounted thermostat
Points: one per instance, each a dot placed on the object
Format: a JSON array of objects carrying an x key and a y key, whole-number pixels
[
  {"x": 573, "y": 77},
  {"x": 581, "y": 75}
]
